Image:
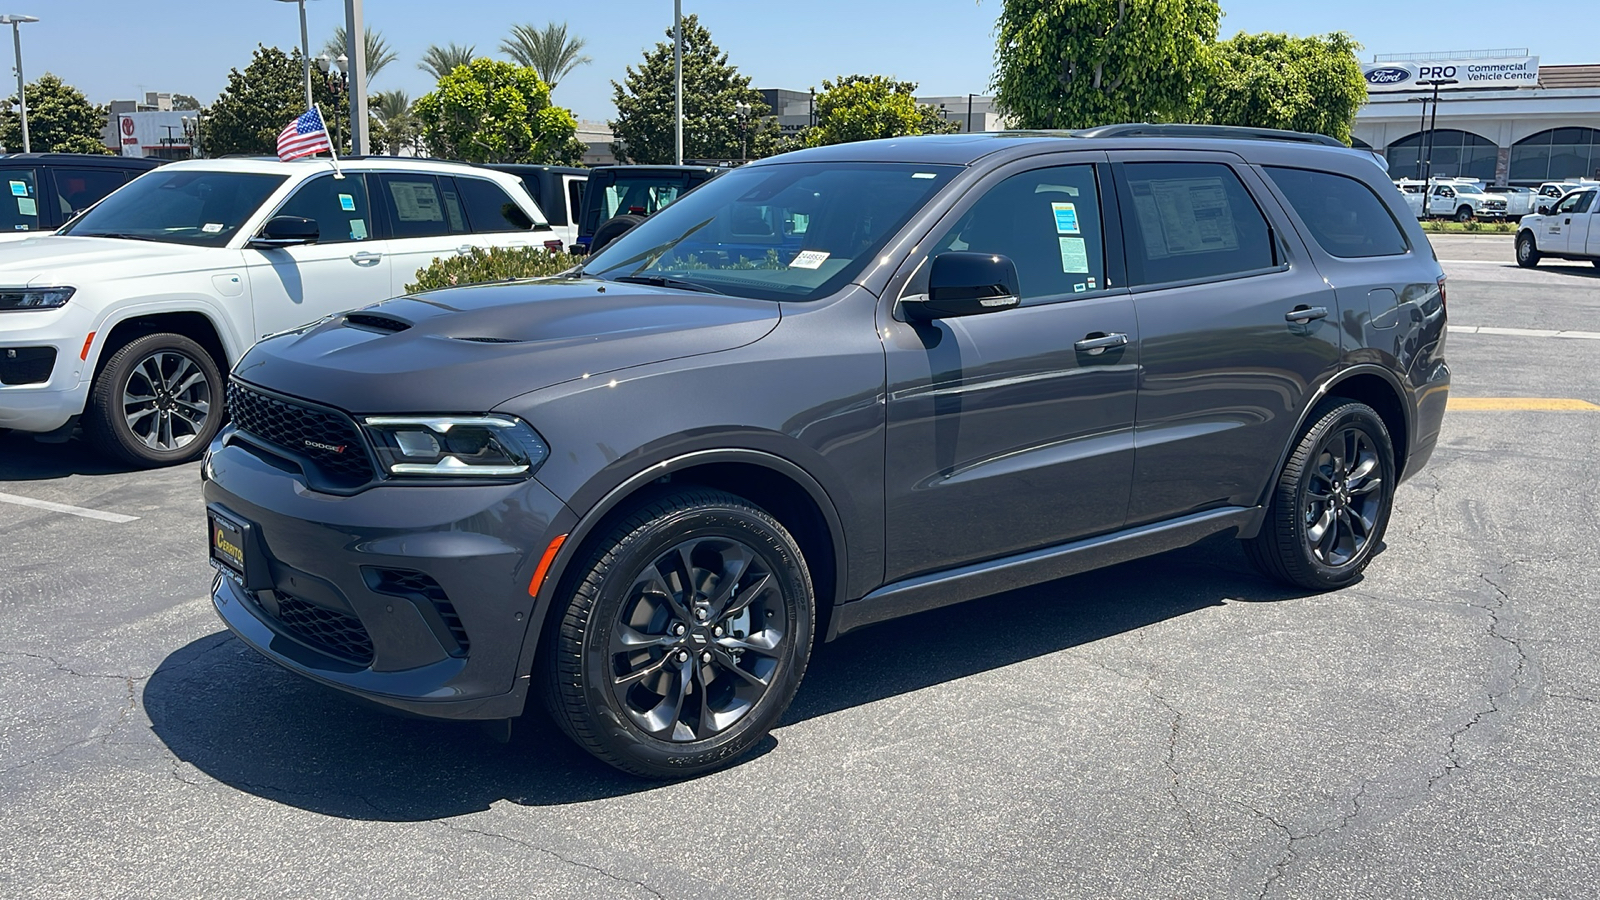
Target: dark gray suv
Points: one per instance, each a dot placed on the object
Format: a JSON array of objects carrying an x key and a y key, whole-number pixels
[{"x": 821, "y": 391}]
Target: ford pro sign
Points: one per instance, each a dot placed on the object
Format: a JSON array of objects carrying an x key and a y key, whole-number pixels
[{"x": 1520, "y": 71}]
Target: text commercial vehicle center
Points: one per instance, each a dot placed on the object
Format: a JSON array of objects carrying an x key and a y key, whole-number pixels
[
  {"x": 819, "y": 392},
  {"x": 128, "y": 315}
]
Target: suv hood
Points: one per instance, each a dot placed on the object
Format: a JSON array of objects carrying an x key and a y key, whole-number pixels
[
  {"x": 470, "y": 349},
  {"x": 58, "y": 259}
]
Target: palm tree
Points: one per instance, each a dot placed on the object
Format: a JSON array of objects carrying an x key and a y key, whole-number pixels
[
  {"x": 396, "y": 127},
  {"x": 441, "y": 61},
  {"x": 548, "y": 51},
  {"x": 378, "y": 52},
  {"x": 391, "y": 106}
]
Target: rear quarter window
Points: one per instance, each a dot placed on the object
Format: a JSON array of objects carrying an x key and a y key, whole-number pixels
[{"x": 1344, "y": 216}]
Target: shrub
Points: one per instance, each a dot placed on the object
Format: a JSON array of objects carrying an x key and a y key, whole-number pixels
[{"x": 493, "y": 264}]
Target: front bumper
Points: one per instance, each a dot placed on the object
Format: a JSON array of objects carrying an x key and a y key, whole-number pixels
[
  {"x": 460, "y": 649},
  {"x": 47, "y": 405}
]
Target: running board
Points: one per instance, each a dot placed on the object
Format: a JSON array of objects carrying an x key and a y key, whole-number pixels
[{"x": 924, "y": 592}]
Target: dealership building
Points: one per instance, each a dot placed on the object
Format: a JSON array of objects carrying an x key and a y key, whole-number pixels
[{"x": 1505, "y": 118}]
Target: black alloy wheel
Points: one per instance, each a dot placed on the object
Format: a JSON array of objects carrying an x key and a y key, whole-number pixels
[
  {"x": 1331, "y": 503},
  {"x": 1527, "y": 250},
  {"x": 158, "y": 401},
  {"x": 686, "y": 637}
]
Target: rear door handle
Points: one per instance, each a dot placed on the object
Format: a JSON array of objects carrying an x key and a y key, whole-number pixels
[
  {"x": 365, "y": 258},
  {"x": 1300, "y": 315},
  {"x": 1097, "y": 343}
]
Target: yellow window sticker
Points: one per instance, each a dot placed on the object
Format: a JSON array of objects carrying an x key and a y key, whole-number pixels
[
  {"x": 1074, "y": 256},
  {"x": 1066, "y": 218}
]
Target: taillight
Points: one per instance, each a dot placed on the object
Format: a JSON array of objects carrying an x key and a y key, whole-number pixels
[
  {"x": 554, "y": 246},
  {"x": 1441, "y": 291}
]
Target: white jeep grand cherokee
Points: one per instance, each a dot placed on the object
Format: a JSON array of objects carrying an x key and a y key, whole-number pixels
[{"x": 130, "y": 315}]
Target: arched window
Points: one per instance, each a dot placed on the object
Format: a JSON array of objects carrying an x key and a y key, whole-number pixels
[
  {"x": 1461, "y": 154},
  {"x": 1555, "y": 154}
]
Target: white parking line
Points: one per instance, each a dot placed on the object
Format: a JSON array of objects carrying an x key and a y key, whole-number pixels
[
  {"x": 118, "y": 518},
  {"x": 1524, "y": 332}
]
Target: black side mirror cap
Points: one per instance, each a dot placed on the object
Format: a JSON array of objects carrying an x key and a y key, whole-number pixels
[
  {"x": 964, "y": 283},
  {"x": 287, "y": 231}
]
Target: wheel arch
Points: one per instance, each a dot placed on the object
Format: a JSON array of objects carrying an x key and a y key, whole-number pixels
[{"x": 192, "y": 324}]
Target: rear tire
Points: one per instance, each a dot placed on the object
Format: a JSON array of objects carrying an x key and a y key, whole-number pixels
[
  {"x": 685, "y": 635},
  {"x": 1527, "y": 250},
  {"x": 157, "y": 402},
  {"x": 1331, "y": 503}
]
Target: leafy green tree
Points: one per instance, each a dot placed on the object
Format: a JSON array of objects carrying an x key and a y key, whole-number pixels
[
  {"x": 377, "y": 49},
  {"x": 867, "y": 107},
  {"x": 60, "y": 120},
  {"x": 184, "y": 101},
  {"x": 441, "y": 61},
  {"x": 259, "y": 101},
  {"x": 494, "y": 111},
  {"x": 713, "y": 127},
  {"x": 1095, "y": 62},
  {"x": 548, "y": 51},
  {"x": 1282, "y": 81},
  {"x": 393, "y": 126}
]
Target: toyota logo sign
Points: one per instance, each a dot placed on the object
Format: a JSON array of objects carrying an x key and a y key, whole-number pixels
[{"x": 1388, "y": 75}]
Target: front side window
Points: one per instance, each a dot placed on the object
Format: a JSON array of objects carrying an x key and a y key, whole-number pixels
[
  {"x": 1585, "y": 200},
  {"x": 793, "y": 231},
  {"x": 19, "y": 211},
  {"x": 490, "y": 209},
  {"x": 181, "y": 206},
  {"x": 1343, "y": 215},
  {"x": 1047, "y": 221},
  {"x": 1191, "y": 221},
  {"x": 1571, "y": 201},
  {"x": 338, "y": 205},
  {"x": 79, "y": 189}
]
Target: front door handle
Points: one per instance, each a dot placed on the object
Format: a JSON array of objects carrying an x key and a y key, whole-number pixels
[
  {"x": 1300, "y": 315},
  {"x": 1097, "y": 343},
  {"x": 365, "y": 258},
  {"x": 464, "y": 249}
]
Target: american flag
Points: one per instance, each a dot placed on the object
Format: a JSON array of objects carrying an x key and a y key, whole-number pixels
[{"x": 304, "y": 137}]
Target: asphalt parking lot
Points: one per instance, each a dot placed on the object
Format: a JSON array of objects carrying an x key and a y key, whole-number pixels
[{"x": 1177, "y": 727}]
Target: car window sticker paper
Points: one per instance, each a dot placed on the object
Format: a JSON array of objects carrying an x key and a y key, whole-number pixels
[
  {"x": 809, "y": 259},
  {"x": 1074, "y": 256},
  {"x": 1066, "y": 218}
]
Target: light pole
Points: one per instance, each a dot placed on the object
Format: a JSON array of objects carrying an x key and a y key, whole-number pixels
[
  {"x": 742, "y": 112},
  {"x": 305, "y": 49},
  {"x": 336, "y": 74},
  {"x": 16, "y": 23},
  {"x": 1427, "y": 171},
  {"x": 677, "y": 77},
  {"x": 356, "y": 73}
]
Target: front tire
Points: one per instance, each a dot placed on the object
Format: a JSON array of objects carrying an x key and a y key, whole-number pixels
[
  {"x": 1331, "y": 503},
  {"x": 686, "y": 632},
  {"x": 1464, "y": 214},
  {"x": 158, "y": 401},
  {"x": 1527, "y": 250}
]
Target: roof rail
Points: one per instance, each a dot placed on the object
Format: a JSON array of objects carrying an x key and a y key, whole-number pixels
[{"x": 1231, "y": 132}]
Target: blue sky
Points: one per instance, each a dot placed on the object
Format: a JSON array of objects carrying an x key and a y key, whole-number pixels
[{"x": 115, "y": 49}]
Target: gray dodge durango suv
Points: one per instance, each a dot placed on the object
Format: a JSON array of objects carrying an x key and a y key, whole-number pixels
[{"x": 821, "y": 391}]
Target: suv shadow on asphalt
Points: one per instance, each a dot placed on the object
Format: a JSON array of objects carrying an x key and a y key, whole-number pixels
[
  {"x": 24, "y": 459},
  {"x": 236, "y": 717}
]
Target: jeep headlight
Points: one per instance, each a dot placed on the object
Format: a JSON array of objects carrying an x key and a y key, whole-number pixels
[
  {"x": 26, "y": 298},
  {"x": 488, "y": 446}
]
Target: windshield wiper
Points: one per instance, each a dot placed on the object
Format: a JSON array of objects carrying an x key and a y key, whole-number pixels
[
  {"x": 664, "y": 281},
  {"x": 112, "y": 234}
]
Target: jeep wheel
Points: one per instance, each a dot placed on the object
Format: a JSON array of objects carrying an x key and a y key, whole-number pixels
[
  {"x": 1464, "y": 214},
  {"x": 685, "y": 635},
  {"x": 611, "y": 229},
  {"x": 157, "y": 402},
  {"x": 1331, "y": 503},
  {"x": 1527, "y": 250}
]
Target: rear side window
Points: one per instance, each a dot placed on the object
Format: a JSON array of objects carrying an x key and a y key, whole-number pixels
[
  {"x": 416, "y": 206},
  {"x": 79, "y": 189},
  {"x": 19, "y": 208},
  {"x": 1190, "y": 222},
  {"x": 1343, "y": 215},
  {"x": 575, "y": 188},
  {"x": 490, "y": 209}
]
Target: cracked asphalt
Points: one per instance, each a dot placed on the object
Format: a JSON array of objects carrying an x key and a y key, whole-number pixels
[{"x": 1176, "y": 727}]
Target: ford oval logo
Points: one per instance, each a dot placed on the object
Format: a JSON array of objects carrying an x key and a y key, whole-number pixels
[{"x": 1388, "y": 75}]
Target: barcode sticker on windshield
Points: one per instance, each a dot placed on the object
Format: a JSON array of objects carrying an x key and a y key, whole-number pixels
[
  {"x": 809, "y": 259},
  {"x": 211, "y": 227}
]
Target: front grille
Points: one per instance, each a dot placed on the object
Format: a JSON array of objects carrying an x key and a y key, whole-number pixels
[
  {"x": 26, "y": 365},
  {"x": 327, "y": 438},
  {"x": 332, "y": 632},
  {"x": 418, "y": 586}
]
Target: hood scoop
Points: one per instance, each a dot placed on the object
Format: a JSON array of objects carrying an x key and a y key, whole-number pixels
[{"x": 379, "y": 322}]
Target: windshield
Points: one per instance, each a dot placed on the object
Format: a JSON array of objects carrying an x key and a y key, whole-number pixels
[
  {"x": 793, "y": 231},
  {"x": 178, "y": 206},
  {"x": 1468, "y": 189}
]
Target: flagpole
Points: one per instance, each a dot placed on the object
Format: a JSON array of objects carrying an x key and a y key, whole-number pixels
[{"x": 331, "y": 150}]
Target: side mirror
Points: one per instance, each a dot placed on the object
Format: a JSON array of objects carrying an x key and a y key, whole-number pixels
[
  {"x": 286, "y": 231},
  {"x": 963, "y": 283}
]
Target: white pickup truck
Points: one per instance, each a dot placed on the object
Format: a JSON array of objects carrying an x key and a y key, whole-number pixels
[{"x": 1569, "y": 231}]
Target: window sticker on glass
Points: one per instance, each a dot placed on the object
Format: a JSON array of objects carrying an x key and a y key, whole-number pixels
[
  {"x": 1184, "y": 215},
  {"x": 1079, "y": 288},
  {"x": 1066, "y": 218},
  {"x": 358, "y": 229},
  {"x": 27, "y": 207},
  {"x": 416, "y": 202},
  {"x": 19, "y": 189},
  {"x": 924, "y": 175},
  {"x": 347, "y": 203},
  {"x": 211, "y": 227},
  {"x": 1074, "y": 256},
  {"x": 809, "y": 259}
]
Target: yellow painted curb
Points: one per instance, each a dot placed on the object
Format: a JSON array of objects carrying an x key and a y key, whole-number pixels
[{"x": 1506, "y": 404}]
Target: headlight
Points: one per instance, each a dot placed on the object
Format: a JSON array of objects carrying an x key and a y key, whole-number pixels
[
  {"x": 34, "y": 298},
  {"x": 489, "y": 446}
]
